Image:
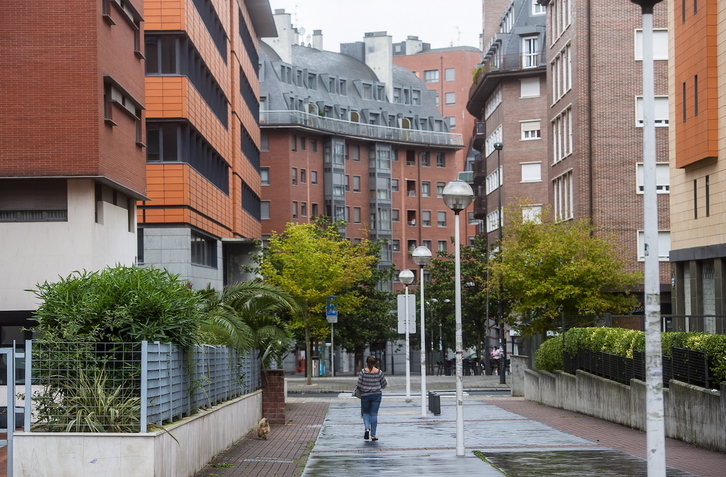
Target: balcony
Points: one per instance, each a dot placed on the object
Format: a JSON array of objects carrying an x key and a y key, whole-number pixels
[
  {"x": 480, "y": 207},
  {"x": 479, "y": 134},
  {"x": 372, "y": 132},
  {"x": 480, "y": 171}
]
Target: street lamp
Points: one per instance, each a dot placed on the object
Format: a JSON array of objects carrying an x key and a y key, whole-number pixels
[
  {"x": 502, "y": 338},
  {"x": 422, "y": 256},
  {"x": 653, "y": 360},
  {"x": 406, "y": 277},
  {"x": 457, "y": 196}
]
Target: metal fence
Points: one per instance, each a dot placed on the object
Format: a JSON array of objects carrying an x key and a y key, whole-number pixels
[
  {"x": 124, "y": 387},
  {"x": 683, "y": 365}
]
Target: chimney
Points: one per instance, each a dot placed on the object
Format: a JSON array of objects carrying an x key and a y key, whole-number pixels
[
  {"x": 379, "y": 58},
  {"x": 318, "y": 39},
  {"x": 285, "y": 36}
]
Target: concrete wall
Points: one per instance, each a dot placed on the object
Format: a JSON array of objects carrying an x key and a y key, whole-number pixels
[
  {"x": 692, "y": 414},
  {"x": 180, "y": 450}
]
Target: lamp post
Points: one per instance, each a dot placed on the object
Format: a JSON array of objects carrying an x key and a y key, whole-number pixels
[
  {"x": 422, "y": 256},
  {"x": 502, "y": 338},
  {"x": 457, "y": 196},
  {"x": 406, "y": 277},
  {"x": 655, "y": 427}
]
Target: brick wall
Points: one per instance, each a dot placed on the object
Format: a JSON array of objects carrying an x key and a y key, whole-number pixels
[{"x": 273, "y": 395}]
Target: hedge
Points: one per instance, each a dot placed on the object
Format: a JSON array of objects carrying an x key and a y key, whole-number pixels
[{"x": 622, "y": 342}]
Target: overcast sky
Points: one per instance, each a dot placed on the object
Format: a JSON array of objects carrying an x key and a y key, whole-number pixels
[{"x": 442, "y": 23}]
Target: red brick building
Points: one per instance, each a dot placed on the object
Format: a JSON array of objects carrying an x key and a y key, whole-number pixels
[{"x": 72, "y": 157}]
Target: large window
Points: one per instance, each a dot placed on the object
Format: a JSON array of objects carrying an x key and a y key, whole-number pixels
[
  {"x": 204, "y": 250},
  {"x": 562, "y": 134},
  {"x": 431, "y": 76},
  {"x": 531, "y": 172},
  {"x": 561, "y": 72},
  {"x": 530, "y": 52},
  {"x": 660, "y": 44},
  {"x": 563, "y": 195},
  {"x": 662, "y": 178},
  {"x": 661, "y": 111},
  {"x": 450, "y": 74},
  {"x": 664, "y": 245},
  {"x": 530, "y": 130},
  {"x": 33, "y": 200}
]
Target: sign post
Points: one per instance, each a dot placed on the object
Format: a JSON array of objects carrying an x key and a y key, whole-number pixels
[{"x": 331, "y": 314}]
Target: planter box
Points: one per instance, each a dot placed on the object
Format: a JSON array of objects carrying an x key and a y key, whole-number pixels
[{"x": 180, "y": 450}]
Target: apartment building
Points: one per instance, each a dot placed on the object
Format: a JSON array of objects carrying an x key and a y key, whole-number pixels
[
  {"x": 72, "y": 151},
  {"x": 697, "y": 147},
  {"x": 509, "y": 101},
  {"x": 594, "y": 53},
  {"x": 353, "y": 136},
  {"x": 202, "y": 158},
  {"x": 447, "y": 73}
]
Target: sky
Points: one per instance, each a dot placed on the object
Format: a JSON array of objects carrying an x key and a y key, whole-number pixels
[{"x": 442, "y": 23}]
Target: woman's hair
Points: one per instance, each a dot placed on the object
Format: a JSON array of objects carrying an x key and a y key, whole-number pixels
[{"x": 371, "y": 361}]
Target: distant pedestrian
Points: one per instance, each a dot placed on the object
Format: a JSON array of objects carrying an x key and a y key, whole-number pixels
[{"x": 371, "y": 382}]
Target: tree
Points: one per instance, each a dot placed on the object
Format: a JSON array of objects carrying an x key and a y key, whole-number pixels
[
  {"x": 126, "y": 304},
  {"x": 474, "y": 293},
  {"x": 245, "y": 316},
  {"x": 374, "y": 320},
  {"x": 547, "y": 268},
  {"x": 312, "y": 262}
]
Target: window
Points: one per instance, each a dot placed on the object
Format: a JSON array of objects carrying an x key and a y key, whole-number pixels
[
  {"x": 562, "y": 134},
  {"x": 532, "y": 213},
  {"x": 563, "y": 196},
  {"x": 294, "y": 176},
  {"x": 441, "y": 246},
  {"x": 440, "y": 159},
  {"x": 29, "y": 200},
  {"x": 355, "y": 152},
  {"x": 264, "y": 142},
  {"x": 493, "y": 181},
  {"x": 313, "y": 177},
  {"x": 529, "y": 87},
  {"x": 471, "y": 219},
  {"x": 450, "y": 74},
  {"x": 396, "y": 245},
  {"x": 561, "y": 72},
  {"x": 441, "y": 218},
  {"x": 294, "y": 209},
  {"x": 394, "y": 185},
  {"x": 303, "y": 176},
  {"x": 356, "y": 183},
  {"x": 303, "y": 209},
  {"x": 440, "y": 189},
  {"x": 531, "y": 171},
  {"x": 293, "y": 142},
  {"x": 347, "y": 183},
  {"x": 356, "y": 215},
  {"x": 451, "y": 120},
  {"x": 661, "y": 111},
  {"x": 530, "y": 52},
  {"x": 265, "y": 209},
  {"x": 662, "y": 178},
  {"x": 493, "y": 138},
  {"x": 493, "y": 102},
  {"x": 450, "y": 98},
  {"x": 314, "y": 209},
  {"x": 395, "y": 215},
  {"x": 425, "y": 189},
  {"x": 431, "y": 76},
  {"x": 425, "y": 160},
  {"x": 538, "y": 9},
  {"x": 426, "y": 218},
  {"x": 204, "y": 250},
  {"x": 265, "y": 176},
  {"x": 664, "y": 245},
  {"x": 493, "y": 221},
  {"x": 660, "y": 44},
  {"x": 530, "y": 130},
  {"x": 314, "y": 145}
]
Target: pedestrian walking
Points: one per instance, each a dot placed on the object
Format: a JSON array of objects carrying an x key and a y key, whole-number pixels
[{"x": 371, "y": 382}]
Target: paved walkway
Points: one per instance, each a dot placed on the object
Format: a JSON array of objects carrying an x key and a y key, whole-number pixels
[{"x": 323, "y": 437}]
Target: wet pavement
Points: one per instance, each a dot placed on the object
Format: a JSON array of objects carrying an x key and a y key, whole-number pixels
[{"x": 497, "y": 443}]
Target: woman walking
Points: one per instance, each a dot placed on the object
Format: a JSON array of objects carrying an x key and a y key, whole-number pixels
[{"x": 371, "y": 382}]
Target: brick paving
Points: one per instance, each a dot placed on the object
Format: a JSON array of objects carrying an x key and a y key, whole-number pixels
[
  {"x": 283, "y": 454},
  {"x": 679, "y": 454}
]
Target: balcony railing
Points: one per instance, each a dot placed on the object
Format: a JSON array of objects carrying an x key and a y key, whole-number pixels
[
  {"x": 361, "y": 130},
  {"x": 512, "y": 62}
]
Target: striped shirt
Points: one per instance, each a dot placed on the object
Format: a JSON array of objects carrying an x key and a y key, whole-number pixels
[{"x": 371, "y": 383}]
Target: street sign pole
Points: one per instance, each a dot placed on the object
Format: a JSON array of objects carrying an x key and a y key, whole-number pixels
[{"x": 331, "y": 314}]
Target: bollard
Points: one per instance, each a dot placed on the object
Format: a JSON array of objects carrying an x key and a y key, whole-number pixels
[{"x": 435, "y": 403}]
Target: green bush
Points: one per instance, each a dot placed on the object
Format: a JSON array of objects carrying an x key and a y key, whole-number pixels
[
  {"x": 622, "y": 342},
  {"x": 127, "y": 304}
]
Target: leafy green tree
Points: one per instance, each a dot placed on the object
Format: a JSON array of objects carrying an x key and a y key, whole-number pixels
[
  {"x": 474, "y": 294},
  {"x": 245, "y": 316},
  {"x": 312, "y": 262},
  {"x": 547, "y": 268},
  {"x": 374, "y": 320},
  {"x": 116, "y": 304}
]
